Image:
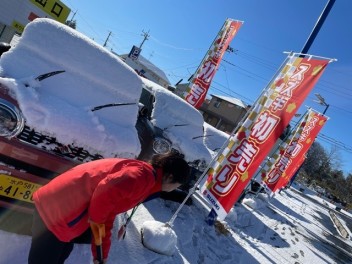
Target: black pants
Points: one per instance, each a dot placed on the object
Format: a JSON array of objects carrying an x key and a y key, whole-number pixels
[{"x": 47, "y": 248}]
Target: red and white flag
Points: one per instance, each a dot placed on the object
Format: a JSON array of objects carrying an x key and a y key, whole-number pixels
[
  {"x": 200, "y": 82},
  {"x": 248, "y": 146},
  {"x": 279, "y": 173}
]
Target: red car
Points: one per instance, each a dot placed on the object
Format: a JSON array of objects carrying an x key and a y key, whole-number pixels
[{"x": 64, "y": 100}]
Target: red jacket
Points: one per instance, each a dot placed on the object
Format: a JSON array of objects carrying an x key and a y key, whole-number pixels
[{"x": 97, "y": 190}]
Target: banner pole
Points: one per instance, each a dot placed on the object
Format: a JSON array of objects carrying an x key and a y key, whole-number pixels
[{"x": 211, "y": 163}]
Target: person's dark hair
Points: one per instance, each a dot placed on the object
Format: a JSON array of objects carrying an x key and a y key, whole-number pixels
[
  {"x": 4, "y": 47},
  {"x": 174, "y": 164}
]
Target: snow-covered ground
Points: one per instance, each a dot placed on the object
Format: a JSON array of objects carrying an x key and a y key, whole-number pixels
[{"x": 289, "y": 228}]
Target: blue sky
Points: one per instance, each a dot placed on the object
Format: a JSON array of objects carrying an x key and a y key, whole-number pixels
[{"x": 182, "y": 31}]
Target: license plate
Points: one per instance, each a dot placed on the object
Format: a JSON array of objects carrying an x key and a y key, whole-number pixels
[{"x": 16, "y": 188}]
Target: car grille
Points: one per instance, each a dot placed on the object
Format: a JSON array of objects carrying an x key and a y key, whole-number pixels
[{"x": 50, "y": 144}]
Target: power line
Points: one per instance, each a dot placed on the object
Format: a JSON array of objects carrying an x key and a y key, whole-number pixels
[
  {"x": 326, "y": 86},
  {"x": 246, "y": 71}
]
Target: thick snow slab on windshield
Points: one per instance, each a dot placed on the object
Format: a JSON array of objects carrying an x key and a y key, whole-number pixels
[
  {"x": 60, "y": 106},
  {"x": 181, "y": 122},
  {"x": 214, "y": 139}
]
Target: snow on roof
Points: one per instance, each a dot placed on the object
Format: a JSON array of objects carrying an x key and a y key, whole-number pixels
[
  {"x": 231, "y": 100},
  {"x": 152, "y": 67},
  {"x": 61, "y": 105}
]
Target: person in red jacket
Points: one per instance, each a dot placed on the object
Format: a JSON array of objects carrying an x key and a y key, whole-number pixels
[{"x": 92, "y": 194}]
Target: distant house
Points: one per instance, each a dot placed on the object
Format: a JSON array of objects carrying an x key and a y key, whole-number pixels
[
  {"x": 181, "y": 89},
  {"x": 223, "y": 113},
  {"x": 147, "y": 69}
]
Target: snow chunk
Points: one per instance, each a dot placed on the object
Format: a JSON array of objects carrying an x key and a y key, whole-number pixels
[
  {"x": 158, "y": 237},
  {"x": 250, "y": 202},
  {"x": 264, "y": 197}
]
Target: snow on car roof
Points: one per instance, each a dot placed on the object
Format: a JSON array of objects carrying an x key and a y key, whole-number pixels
[{"x": 60, "y": 106}]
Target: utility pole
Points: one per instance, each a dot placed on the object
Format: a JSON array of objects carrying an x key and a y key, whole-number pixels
[
  {"x": 107, "y": 39},
  {"x": 74, "y": 14},
  {"x": 146, "y": 37}
]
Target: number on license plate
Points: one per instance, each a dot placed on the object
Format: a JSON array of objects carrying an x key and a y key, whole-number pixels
[{"x": 16, "y": 188}]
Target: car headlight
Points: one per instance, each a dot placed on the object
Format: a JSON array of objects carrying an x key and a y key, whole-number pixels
[
  {"x": 161, "y": 145},
  {"x": 11, "y": 119}
]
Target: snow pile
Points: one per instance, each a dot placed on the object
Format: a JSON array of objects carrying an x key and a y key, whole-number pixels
[
  {"x": 159, "y": 237},
  {"x": 61, "y": 105},
  {"x": 256, "y": 201},
  {"x": 250, "y": 202},
  {"x": 263, "y": 196}
]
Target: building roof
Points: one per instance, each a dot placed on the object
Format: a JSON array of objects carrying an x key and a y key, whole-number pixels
[
  {"x": 231, "y": 100},
  {"x": 149, "y": 65}
]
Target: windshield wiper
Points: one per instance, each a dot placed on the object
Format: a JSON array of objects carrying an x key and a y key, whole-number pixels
[
  {"x": 175, "y": 126},
  {"x": 47, "y": 75},
  {"x": 110, "y": 105},
  {"x": 44, "y": 76},
  {"x": 203, "y": 136}
]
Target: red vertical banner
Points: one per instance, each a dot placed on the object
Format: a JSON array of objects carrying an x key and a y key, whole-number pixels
[
  {"x": 296, "y": 156},
  {"x": 279, "y": 160},
  {"x": 248, "y": 147},
  {"x": 289, "y": 173},
  {"x": 200, "y": 83}
]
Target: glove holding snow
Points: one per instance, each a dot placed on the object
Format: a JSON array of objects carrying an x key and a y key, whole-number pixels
[{"x": 98, "y": 231}]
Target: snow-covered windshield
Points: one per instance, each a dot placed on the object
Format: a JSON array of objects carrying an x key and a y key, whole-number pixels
[{"x": 60, "y": 106}]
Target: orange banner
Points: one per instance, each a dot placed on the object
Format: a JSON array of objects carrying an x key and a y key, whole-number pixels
[
  {"x": 281, "y": 173},
  {"x": 270, "y": 115},
  {"x": 200, "y": 83}
]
